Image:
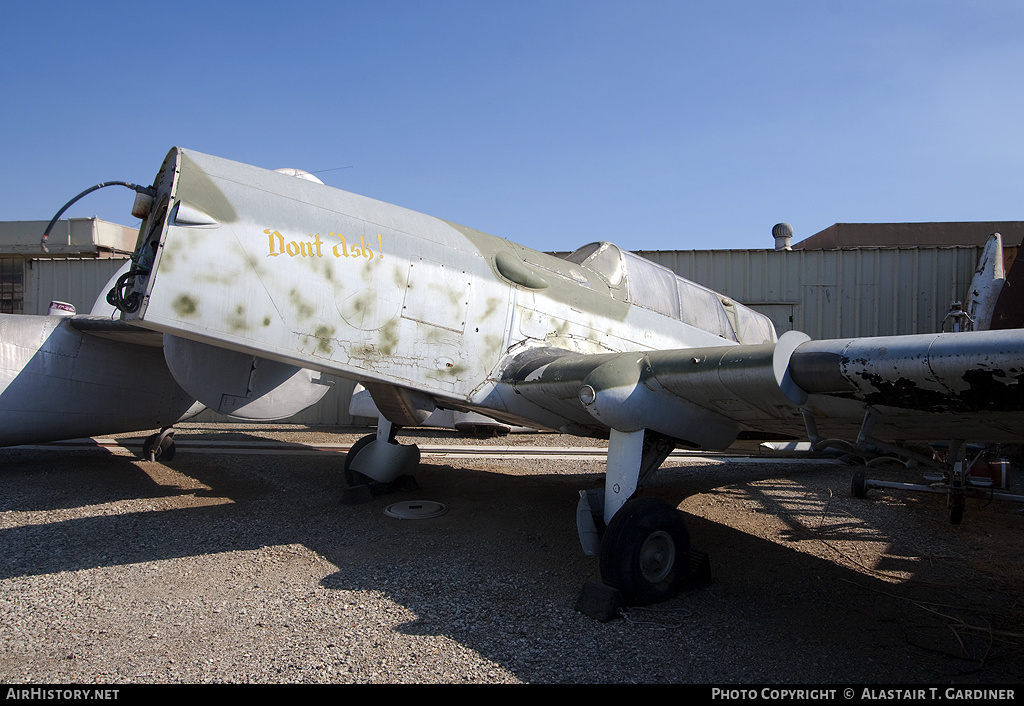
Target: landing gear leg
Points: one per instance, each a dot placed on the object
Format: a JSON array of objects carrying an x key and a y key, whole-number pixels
[
  {"x": 159, "y": 446},
  {"x": 957, "y": 480}
]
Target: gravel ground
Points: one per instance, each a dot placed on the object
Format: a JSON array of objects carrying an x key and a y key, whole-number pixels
[{"x": 238, "y": 567}]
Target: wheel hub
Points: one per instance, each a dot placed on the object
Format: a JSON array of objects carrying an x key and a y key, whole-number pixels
[{"x": 657, "y": 556}]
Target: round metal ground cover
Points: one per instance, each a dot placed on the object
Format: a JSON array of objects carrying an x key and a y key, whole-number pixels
[{"x": 415, "y": 510}]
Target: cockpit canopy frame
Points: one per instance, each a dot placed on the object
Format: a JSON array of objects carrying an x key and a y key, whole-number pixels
[{"x": 653, "y": 286}]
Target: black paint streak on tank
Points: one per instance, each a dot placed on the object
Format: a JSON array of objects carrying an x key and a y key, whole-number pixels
[
  {"x": 991, "y": 391},
  {"x": 906, "y": 394}
]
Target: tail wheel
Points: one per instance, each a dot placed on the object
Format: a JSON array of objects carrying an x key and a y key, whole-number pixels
[
  {"x": 155, "y": 448},
  {"x": 355, "y": 478},
  {"x": 645, "y": 551}
]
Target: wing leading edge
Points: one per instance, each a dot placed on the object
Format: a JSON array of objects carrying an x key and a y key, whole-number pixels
[{"x": 931, "y": 387}]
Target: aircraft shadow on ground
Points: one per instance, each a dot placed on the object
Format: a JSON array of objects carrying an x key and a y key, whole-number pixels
[{"x": 507, "y": 538}]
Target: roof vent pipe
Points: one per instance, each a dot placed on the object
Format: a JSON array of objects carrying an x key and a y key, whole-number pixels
[{"x": 783, "y": 234}]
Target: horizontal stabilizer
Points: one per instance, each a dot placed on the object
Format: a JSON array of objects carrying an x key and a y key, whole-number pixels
[{"x": 116, "y": 330}]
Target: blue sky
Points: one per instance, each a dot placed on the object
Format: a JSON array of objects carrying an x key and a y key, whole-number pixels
[{"x": 655, "y": 124}]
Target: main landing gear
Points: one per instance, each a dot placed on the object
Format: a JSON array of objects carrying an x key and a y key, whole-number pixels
[{"x": 643, "y": 543}]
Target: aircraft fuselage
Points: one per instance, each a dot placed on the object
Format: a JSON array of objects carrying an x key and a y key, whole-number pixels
[{"x": 264, "y": 263}]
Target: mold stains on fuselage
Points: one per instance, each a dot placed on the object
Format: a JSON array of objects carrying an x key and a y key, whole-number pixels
[
  {"x": 237, "y": 320},
  {"x": 185, "y": 306},
  {"x": 303, "y": 309},
  {"x": 323, "y": 336}
]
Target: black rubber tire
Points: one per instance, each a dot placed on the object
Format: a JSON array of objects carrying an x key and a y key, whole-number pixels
[
  {"x": 858, "y": 485},
  {"x": 645, "y": 551}
]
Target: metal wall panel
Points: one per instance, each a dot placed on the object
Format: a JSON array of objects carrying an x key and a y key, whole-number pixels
[
  {"x": 836, "y": 293},
  {"x": 77, "y": 281}
]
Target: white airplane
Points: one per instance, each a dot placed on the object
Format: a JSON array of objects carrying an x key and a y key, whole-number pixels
[{"x": 237, "y": 264}]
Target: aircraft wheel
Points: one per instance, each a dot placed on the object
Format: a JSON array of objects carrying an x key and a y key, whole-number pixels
[
  {"x": 858, "y": 486},
  {"x": 645, "y": 551},
  {"x": 355, "y": 478},
  {"x": 154, "y": 451}
]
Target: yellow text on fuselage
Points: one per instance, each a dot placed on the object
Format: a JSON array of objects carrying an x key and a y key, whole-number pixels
[{"x": 277, "y": 245}]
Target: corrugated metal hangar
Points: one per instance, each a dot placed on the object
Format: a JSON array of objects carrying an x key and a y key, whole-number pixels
[{"x": 851, "y": 279}]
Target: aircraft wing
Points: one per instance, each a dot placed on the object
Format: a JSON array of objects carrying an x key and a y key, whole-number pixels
[
  {"x": 924, "y": 387},
  {"x": 66, "y": 377},
  {"x": 57, "y": 382},
  {"x": 931, "y": 387},
  {"x": 116, "y": 330}
]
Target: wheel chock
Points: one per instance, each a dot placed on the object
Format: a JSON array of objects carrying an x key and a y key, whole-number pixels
[
  {"x": 700, "y": 569},
  {"x": 600, "y": 602}
]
